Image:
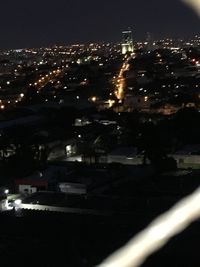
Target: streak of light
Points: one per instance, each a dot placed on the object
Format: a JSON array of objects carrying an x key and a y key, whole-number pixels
[
  {"x": 195, "y": 4},
  {"x": 157, "y": 234},
  {"x": 120, "y": 82}
]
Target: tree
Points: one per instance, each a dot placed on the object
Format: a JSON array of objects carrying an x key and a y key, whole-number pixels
[{"x": 156, "y": 148}]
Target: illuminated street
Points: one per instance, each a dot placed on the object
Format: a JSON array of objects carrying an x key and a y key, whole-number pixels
[
  {"x": 44, "y": 80},
  {"x": 120, "y": 81}
]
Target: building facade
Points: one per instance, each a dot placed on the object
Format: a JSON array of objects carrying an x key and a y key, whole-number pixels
[{"x": 127, "y": 42}]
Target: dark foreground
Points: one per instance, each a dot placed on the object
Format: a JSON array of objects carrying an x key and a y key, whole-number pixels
[{"x": 54, "y": 239}]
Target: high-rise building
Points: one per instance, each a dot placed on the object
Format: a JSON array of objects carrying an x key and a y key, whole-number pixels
[
  {"x": 127, "y": 42},
  {"x": 149, "y": 42}
]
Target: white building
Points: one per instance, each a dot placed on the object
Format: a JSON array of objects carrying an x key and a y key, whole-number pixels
[
  {"x": 125, "y": 155},
  {"x": 188, "y": 157},
  {"x": 127, "y": 42},
  {"x": 73, "y": 188}
]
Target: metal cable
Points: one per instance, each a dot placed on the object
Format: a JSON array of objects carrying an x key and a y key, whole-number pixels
[
  {"x": 157, "y": 234},
  {"x": 195, "y": 4}
]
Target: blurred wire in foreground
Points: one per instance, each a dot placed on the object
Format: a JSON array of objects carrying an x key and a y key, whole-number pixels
[
  {"x": 157, "y": 234},
  {"x": 195, "y": 4}
]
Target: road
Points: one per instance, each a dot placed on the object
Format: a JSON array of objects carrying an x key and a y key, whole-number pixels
[
  {"x": 50, "y": 77},
  {"x": 119, "y": 81}
]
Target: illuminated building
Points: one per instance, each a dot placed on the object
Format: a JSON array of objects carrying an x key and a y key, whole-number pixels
[{"x": 127, "y": 42}]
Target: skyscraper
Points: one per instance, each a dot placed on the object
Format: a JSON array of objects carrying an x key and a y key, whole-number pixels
[
  {"x": 127, "y": 42},
  {"x": 149, "y": 42}
]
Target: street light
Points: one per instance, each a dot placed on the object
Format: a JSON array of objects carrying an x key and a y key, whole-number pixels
[{"x": 6, "y": 191}]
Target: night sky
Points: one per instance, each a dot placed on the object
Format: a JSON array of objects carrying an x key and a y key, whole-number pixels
[{"x": 33, "y": 23}]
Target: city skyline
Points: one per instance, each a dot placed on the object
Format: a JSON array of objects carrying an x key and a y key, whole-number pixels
[{"x": 47, "y": 23}]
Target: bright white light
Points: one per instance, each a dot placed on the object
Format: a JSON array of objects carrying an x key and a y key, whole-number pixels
[
  {"x": 6, "y": 191},
  {"x": 157, "y": 234},
  {"x": 69, "y": 149},
  {"x": 18, "y": 201},
  {"x": 94, "y": 99}
]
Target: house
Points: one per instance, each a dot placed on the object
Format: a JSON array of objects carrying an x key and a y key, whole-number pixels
[
  {"x": 188, "y": 157},
  {"x": 125, "y": 155},
  {"x": 41, "y": 180},
  {"x": 62, "y": 149},
  {"x": 72, "y": 188}
]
